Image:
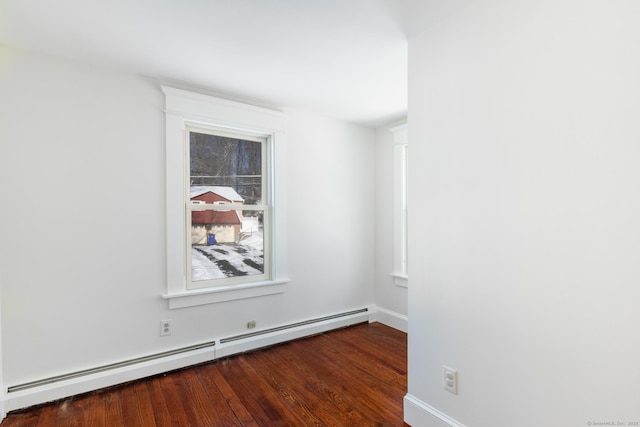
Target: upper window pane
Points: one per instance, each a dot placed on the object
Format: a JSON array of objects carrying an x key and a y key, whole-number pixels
[{"x": 224, "y": 161}]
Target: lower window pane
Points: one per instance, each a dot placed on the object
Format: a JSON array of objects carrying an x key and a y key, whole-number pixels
[{"x": 226, "y": 244}]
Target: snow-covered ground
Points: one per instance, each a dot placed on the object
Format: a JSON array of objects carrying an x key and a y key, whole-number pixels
[{"x": 222, "y": 260}]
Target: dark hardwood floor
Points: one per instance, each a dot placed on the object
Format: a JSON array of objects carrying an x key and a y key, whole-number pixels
[{"x": 355, "y": 376}]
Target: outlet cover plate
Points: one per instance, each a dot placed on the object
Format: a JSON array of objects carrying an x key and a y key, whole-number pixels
[
  {"x": 450, "y": 379},
  {"x": 165, "y": 327}
]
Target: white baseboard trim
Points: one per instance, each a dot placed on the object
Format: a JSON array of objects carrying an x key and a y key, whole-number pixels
[
  {"x": 65, "y": 388},
  {"x": 391, "y": 318},
  {"x": 417, "y": 413}
]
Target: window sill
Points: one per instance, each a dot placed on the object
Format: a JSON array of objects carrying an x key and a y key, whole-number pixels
[
  {"x": 225, "y": 293},
  {"x": 400, "y": 279}
]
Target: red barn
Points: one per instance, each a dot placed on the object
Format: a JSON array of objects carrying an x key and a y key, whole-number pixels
[{"x": 225, "y": 225}]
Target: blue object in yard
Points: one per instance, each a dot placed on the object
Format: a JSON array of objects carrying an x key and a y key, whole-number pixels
[{"x": 211, "y": 239}]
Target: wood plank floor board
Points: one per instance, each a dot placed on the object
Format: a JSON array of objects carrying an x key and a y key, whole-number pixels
[
  {"x": 47, "y": 416},
  {"x": 202, "y": 408},
  {"x": 173, "y": 400},
  {"x": 137, "y": 405},
  {"x": 283, "y": 382},
  {"x": 332, "y": 364},
  {"x": 95, "y": 412},
  {"x": 372, "y": 342},
  {"x": 209, "y": 403},
  {"x": 73, "y": 412},
  {"x": 27, "y": 420},
  {"x": 161, "y": 413},
  {"x": 146, "y": 406},
  {"x": 374, "y": 377},
  {"x": 318, "y": 389},
  {"x": 113, "y": 403},
  {"x": 258, "y": 391},
  {"x": 347, "y": 366},
  {"x": 214, "y": 379},
  {"x": 199, "y": 410},
  {"x": 295, "y": 390},
  {"x": 356, "y": 376}
]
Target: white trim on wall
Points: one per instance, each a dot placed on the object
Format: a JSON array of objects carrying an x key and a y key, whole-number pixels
[
  {"x": 184, "y": 108},
  {"x": 393, "y": 319},
  {"x": 418, "y": 413},
  {"x": 400, "y": 231}
]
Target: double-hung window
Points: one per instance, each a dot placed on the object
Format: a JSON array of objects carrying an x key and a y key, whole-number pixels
[
  {"x": 225, "y": 225},
  {"x": 228, "y": 207}
]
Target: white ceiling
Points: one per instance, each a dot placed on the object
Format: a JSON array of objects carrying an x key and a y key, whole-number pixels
[{"x": 342, "y": 58}]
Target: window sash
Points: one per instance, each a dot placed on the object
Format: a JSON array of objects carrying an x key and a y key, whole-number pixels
[
  {"x": 266, "y": 245},
  {"x": 265, "y": 207}
]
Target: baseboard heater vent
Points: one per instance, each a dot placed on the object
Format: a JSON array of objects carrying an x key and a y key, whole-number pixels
[
  {"x": 98, "y": 369},
  {"x": 292, "y": 325}
]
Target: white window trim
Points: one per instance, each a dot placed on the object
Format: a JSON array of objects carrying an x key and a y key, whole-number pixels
[
  {"x": 183, "y": 108},
  {"x": 400, "y": 229}
]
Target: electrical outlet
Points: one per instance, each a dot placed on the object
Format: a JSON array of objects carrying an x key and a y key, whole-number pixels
[
  {"x": 165, "y": 327},
  {"x": 450, "y": 379},
  {"x": 251, "y": 324}
]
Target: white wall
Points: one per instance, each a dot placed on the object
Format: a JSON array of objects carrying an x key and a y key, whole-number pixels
[
  {"x": 391, "y": 299},
  {"x": 524, "y": 207},
  {"x": 330, "y": 187},
  {"x": 83, "y": 229}
]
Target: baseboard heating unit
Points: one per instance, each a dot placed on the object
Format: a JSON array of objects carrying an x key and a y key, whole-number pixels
[
  {"x": 60, "y": 386},
  {"x": 266, "y": 337},
  {"x": 82, "y": 381},
  {"x": 292, "y": 325},
  {"x": 109, "y": 367}
]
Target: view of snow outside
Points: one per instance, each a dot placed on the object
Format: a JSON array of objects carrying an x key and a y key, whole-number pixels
[{"x": 222, "y": 260}]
